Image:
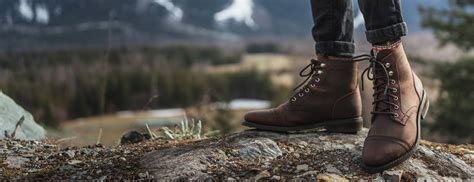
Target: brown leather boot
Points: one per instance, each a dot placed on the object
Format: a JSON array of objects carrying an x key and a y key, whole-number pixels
[
  {"x": 329, "y": 99},
  {"x": 400, "y": 102}
]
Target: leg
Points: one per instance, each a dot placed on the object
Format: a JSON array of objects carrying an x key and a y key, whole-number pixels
[
  {"x": 383, "y": 20},
  {"x": 333, "y": 27},
  {"x": 329, "y": 98},
  {"x": 399, "y": 98}
]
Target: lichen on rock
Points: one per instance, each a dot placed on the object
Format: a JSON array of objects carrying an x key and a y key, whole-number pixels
[{"x": 10, "y": 114}]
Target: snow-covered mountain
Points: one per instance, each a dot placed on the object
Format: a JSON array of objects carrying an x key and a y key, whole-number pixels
[{"x": 23, "y": 22}]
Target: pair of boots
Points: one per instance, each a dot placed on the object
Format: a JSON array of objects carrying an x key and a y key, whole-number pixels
[{"x": 330, "y": 99}]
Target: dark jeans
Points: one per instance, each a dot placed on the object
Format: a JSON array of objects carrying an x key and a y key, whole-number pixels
[{"x": 333, "y": 24}]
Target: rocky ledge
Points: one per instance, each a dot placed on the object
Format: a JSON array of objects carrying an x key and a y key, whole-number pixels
[
  {"x": 248, "y": 155},
  {"x": 258, "y": 155}
]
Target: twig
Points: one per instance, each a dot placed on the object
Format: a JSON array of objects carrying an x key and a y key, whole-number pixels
[
  {"x": 18, "y": 124},
  {"x": 66, "y": 139},
  {"x": 145, "y": 107},
  {"x": 99, "y": 137},
  {"x": 152, "y": 135}
]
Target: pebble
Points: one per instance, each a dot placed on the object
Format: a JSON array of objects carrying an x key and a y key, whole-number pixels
[
  {"x": 263, "y": 174},
  {"x": 278, "y": 178},
  {"x": 302, "y": 167},
  {"x": 16, "y": 162},
  {"x": 69, "y": 154},
  {"x": 142, "y": 175}
]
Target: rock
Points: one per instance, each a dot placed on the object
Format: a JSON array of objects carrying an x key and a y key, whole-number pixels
[
  {"x": 262, "y": 175},
  {"x": 69, "y": 154},
  {"x": 73, "y": 162},
  {"x": 302, "y": 167},
  {"x": 331, "y": 178},
  {"x": 10, "y": 114},
  {"x": 15, "y": 162},
  {"x": 133, "y": 137},
  {"x": 331, "y": 169},
  {"x": 394, "y": 176},
  {"x": 275, "y": 178},
  {"x": 250, "y": 149},
  {"x": 330, "y": 157}
]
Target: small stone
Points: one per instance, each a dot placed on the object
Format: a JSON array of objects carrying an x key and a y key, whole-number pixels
[
  {"x": 330, "y": 177},
  {"x": 277, "y": 178},
  {"x": 69, "y": 154},
  {"x": 142, "y": 175},
  {"x": 291, "y": 149},
  {"x": 123, "y": 159},
  {"x": 331, "y": 169},
  {"x": 469, "y": 156},
  {"x": 103, "y": 178},
  {"x": 231, "y": 179},
  {"x": 302, "y": 144},
  {"x": 263, "y": 174},
  {"x": 72, "y": 162},
  {"x": 132, "y": 137},
  {"x": 302, "y": 167},
  {"x": 393, "y": 175},
  {"x": 296, "y": 155},
  {"x": 16, "y": 162}
]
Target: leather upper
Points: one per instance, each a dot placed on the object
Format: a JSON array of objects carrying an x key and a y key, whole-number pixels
[
  {"x": 393, "y": 135},
  {"x": 331, "y": 93}
]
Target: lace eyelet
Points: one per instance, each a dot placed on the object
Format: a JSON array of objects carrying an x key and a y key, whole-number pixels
[
  {"x": 301, "y": 94},
  {"x": 396, "y": 115},
  {"x": 395, "y": 90},
  {"x": 395, "y": 98},
  {"x": 293, "y": 99},
  {"x": 312, "y": 85},
  {"x": 317, "y": 80},
  {"x": 392, "y": 82},
  {"x": 387, "y": 65},
  {"x": 322, "y": 65},
  {"x": 306, "y": 90},
  {"x": 390, "y": 73},
  {"x": 320, "y": 72},
  {"x": 396, "y": 107}
]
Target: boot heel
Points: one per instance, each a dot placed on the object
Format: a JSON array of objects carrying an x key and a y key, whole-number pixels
[
  {"x": 350, "y": 127},
  {"x": 425, "y": 109}
]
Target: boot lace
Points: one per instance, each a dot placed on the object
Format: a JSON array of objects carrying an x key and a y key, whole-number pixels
[
  {"x": 381, "y": 75},
  {"x": 315, "y": 69}
]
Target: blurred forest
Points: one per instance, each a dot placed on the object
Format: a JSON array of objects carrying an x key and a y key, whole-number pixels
[
  {"x": 63, "y": 85},
  {"x": 454, "y": 111}
]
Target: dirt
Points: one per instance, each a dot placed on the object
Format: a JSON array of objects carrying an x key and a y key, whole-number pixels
[{"x": 47, "y": 160}]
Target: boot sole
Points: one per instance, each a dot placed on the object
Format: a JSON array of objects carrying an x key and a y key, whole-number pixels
[
  {"x": 350, "y": 126},
  {"x": 421, "y": 115}
]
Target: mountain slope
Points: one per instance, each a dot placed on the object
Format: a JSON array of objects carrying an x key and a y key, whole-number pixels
[{"x": 26, "y": 23}]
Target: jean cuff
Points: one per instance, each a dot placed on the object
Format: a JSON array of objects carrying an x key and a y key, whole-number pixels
[
  {"x": 335, "y": 48},
  {"x": 387, "y": 33}
]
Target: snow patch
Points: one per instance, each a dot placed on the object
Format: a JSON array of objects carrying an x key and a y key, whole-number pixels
[
  {"x": 176, "y": 13},
  {"x": 239, "y": 11},
  {"x": 26, "y": 10},
  {"x": 42, "y": 14}
]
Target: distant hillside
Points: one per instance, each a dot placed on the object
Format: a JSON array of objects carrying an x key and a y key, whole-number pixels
[{"x": 61, "y": 23}]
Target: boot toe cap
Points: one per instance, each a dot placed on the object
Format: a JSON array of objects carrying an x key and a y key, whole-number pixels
[
  {"x": 380, "y": 151},
  {"x": 260, "y": 117}
]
